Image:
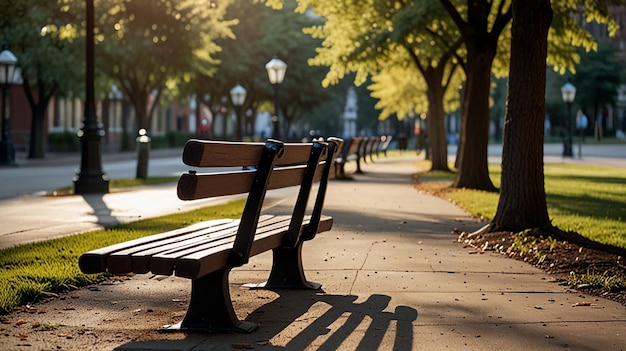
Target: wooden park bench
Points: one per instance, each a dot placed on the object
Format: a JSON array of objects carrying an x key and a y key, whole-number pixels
[
  {"x": 370, "y": 148},
  {"x": 349, "y": 152},
  {"x": 385, "y": 140},
  {"x": 206, "y": 252}
]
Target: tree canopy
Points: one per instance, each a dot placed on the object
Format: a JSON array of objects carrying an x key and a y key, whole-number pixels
[
  {"x": 45, "y": 37},
  {"x": 144, "y": 46}
]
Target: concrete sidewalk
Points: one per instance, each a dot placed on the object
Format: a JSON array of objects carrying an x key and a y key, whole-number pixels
[{"x": 393, "y": 275}]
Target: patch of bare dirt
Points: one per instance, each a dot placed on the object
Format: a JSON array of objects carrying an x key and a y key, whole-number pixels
[
  {"x": 564, "y": 255},
  {"x": 559, "y": 258}
]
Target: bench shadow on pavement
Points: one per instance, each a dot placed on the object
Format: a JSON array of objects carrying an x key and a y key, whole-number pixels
[{"x": 297, "y": 317}]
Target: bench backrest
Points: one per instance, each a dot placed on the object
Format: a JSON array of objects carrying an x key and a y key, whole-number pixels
[
  {"x": 260, "y": 167},
  {"x": 351, "y": 147}
]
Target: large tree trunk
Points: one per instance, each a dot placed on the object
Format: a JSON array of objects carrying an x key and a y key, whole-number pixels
[
  {"x": 522, "y": 203},
  {"x": 480, "y": 30},
  {"x": 127, "y": 141},
  {"x": 140, "y": 104},
  {"x": 37, "y": 148},
  {"x": 473, "y": 170},
  {"x": 437, "y": 85},
  {"x": 437, "y": 141}
]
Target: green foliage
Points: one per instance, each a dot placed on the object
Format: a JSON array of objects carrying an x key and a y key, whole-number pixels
[
  {"x": 169, "y": 39},
  {"x": 598, "y": 78},
  {"x": 595, "y": 280},
  {"x": 45, "y": 37},
  {"x": 567, "y": 32},
  {"x": 260, "y": 33},
  {"x": 63, "y": 142},
  {"x": 27, "y": 271},
  {"x": 525, "y": 245}
]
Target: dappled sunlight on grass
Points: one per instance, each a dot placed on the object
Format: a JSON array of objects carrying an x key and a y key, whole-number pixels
[{"x": 589, "y": 200}]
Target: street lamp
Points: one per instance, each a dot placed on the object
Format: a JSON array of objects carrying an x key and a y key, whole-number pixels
[
  {"x": 238, "y": 96},
  {"x": 91, "y": 178},
  {"x": 276, "y": 69},
  {"x": 7, "y": 73},
  {"x": 568, "y": 91}
]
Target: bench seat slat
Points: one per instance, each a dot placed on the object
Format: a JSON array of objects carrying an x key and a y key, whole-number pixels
[
  {"x": 164, "y": 263},
  {"x": 206, "y": 261},
  {"x": 137, "y": 259},
  {"x": 95, "y": 261},
  {"x": 268, "y": 224}
]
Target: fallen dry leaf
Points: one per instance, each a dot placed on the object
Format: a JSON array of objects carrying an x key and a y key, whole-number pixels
[
  {"x": 22, "y": 336},
  {"x": 581, "y": 303},
  {"x": 20, "y": 322},
  {"x": 5, "y": 320}
]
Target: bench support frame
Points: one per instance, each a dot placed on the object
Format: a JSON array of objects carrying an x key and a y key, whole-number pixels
[
  {"x": 287, "y": 271},
  {"x": 210, "y": 307}
]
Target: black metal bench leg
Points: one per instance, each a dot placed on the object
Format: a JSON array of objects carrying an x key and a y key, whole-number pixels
[
  {"x": 358, "y": 165},
  {"x": 287, "y": 271},
  {"x": 210, "y": 307},
  {"x": 338, "y": 170}
]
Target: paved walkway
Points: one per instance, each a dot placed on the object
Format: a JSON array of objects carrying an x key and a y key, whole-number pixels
[{"x": 393, "y": 278}]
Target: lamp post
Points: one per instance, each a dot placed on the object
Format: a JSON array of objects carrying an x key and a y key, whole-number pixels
[
  {"x": 7, "y": 72},
  {"x": 568, "y": 92},
  {"x": 91, "y": 178},
  {"x": 238, "y": 96},
  {"x": 276, "y": 69}
]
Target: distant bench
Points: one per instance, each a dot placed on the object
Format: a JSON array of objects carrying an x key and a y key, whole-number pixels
[
  {"x": 360, "y": 148},
  {"x": 349, "y": 152},
  {"x": 206, "y": 252}
]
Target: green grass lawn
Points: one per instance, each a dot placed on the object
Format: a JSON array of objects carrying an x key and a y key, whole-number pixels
[
  {"x": 28, "y": 271},
  {"x": 586, "y": 199}
]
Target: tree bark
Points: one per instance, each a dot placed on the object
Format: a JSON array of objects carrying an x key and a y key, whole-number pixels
[
  {"x": 473, "y": 172},
  {"x": 436, "y": 130},
  {"x": 436, "y": 127},
  {"x": 522, "y": 203},
  {"x": 139, "y": 100},
  {"x": 37, "y": 149},
  {"x": 480, "y": 30}
]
